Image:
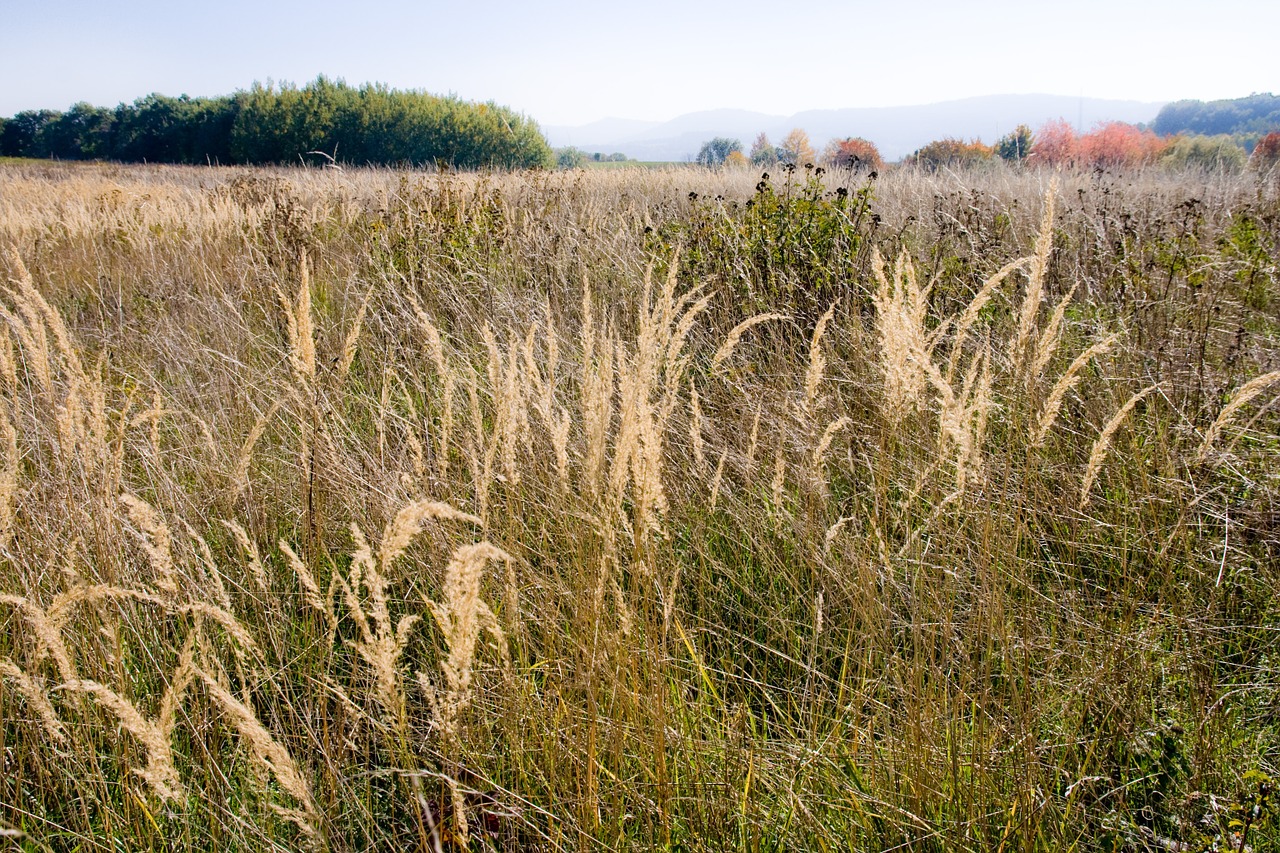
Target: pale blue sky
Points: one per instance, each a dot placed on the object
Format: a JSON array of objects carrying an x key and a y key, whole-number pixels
[{"x": 574, "y": 62}]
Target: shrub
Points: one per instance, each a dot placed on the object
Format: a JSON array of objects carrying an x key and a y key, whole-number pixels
[
  {"x": 851, "y": 153},
  {"x": 1208, "y": 153},
  {"x": 952, "y": 153}
]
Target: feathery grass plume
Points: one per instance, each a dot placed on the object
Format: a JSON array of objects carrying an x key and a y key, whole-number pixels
[
  {"x": 160, "y": 772},
  {"x": 902, "y": 309},
  {"x": 156, "y": 541},
  {"x": 817, "y": 362},
  {"x": 1053, "y": 403},
  {"x": 818, "y": 458},
  {"x": 1103, "y": 443},
  {"x": 252, "y": 557},
  {"x": 298, "y": 325},
  {"x": 352, "y": 339},
  {"x": 1026, "y": 340},
  {"x": 695, "y": 426},
  {"x": 462, "y": 616},
  {"x": 717, "y": 479},
  {"x": 435, "y": 349},
  {"x": 408, "y": 523},
  {"x": 1051, "y": 336},
  {"x": 32, "y": 690},
  {"x": 48, "y": 635},
  {"x": 735, "y": 335},
  {"x": 963, "y": 416},
  {"x": 974, "y": 308},
  {"x": 209, "y": 566},
  {"x": 779, "y": 481},
  {"x": 28, "y": 324},
  {"x": 10, "y": 469},
  {"x": 1242, "y": 397},
  {"x": 8, "y": 363},
  {"x": 310, "y": 590},
  {"x": 267, "y": 752}
]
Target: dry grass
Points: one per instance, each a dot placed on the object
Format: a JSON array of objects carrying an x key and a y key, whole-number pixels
[{"x": 970, "y": 556}]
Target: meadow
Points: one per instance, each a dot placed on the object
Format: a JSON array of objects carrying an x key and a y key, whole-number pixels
[{"x": 638, "y": 510}]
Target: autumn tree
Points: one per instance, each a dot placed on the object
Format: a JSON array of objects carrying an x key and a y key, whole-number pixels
[
  {"x": 763, "y": 152},
  {"x": 1055, "y": 144},
  {"x": 796, "y": 148},
  {"x": 852, "y": 152},
  {"x": 715, "y": 151},
  {"x": 952, "y": 153},
  {"x": 1266, "y": 154},
  {"x": 1118, "y": 144}
]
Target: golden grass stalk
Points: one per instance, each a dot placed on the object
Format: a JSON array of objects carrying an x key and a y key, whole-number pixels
[
  {"x": 1029, "y": 312},
  {"x": 1103, "y": 443},
  {"x": 1053, "y": 403},
  {"x": 695, "y": 426},
  {"x": 902, "y": 308},
  {"x": 717, "y": 479},
  {"x": 243, "y": 459},
  {"x": 462, "y": 616},
  {"x": 310, "y": 590},
  {"x": 160, "y": 772},
  {"x": 818, "y": 459},
  {"x": 817, "y": 364},
  {"x": 974, "y": 308},
  {"x": 352, "y": 339},
  {"x": 252, "y": 557},
  {"x": 1242, "y": 397},
  {"x": 156, "y": 541},
  {"x": 267, "y": 752},
  {"x": 10, "y": 469},
  {"x": 735, "y": 335},
  {"x": 298, "y": 325},
  {"x": 32, "y": 690}
]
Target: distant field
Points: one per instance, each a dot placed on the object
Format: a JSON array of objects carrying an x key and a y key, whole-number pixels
[{"x": 638, "y": 509}]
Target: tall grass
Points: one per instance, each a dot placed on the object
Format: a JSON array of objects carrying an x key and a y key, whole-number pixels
[{"x": 957, "y": 533}]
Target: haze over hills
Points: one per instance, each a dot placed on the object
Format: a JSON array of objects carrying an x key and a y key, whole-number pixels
[{"x": 897, "y": 131}]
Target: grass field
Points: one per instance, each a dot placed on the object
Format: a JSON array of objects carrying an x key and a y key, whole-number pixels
[{"x": 638, "y": 510}]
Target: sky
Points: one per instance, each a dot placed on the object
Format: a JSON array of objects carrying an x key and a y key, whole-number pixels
[{"x": 571, "y": 63}]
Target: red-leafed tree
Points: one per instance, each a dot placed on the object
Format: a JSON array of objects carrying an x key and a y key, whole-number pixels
[
  {"x": 852, "y": 152},
  {"x": 1117, "y": 143},
  {"x": 1055, "y": 144},
  {"x": 1267, "y": 152}
]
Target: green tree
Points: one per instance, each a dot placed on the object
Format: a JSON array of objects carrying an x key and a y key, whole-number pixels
[
  {"x": 763, "y": 153},
  {"x": 1207, "y": 153},
  {"x": 1015, "y": 146},
  {"x": 715, "y": 151}
]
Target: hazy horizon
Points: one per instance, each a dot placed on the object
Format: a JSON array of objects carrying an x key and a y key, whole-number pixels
[{"x": 570, "y": 64}]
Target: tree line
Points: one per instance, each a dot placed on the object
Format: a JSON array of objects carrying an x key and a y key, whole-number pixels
[
  {"x": 324, "y": 120},
  {"x": 1055, "y": 143}
]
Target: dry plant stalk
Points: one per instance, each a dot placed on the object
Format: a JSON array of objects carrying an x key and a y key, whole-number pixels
[
  {"x": 817, "y": 362},
  {"x": 1242, "y": 397},
  {"x": 906, "y": 351},
  {"x": 1103, "y": 443},
  {"x": 1052, "y": 405},
  {"x": 735, "y": 335},
  {"x": 156, "y": 541},
  {"x": 32, "y": 690},
  {"x": 298, "y": 326},
  {"x": 268, "y": 753},
  {"x": 1027, "y": 339},
  {"x": 160, "y": 772}
]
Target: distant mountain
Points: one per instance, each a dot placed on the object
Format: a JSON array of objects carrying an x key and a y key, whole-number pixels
[{"x": 897, "y": 131}]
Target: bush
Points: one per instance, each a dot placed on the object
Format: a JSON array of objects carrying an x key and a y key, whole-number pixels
[
  {"x": 1209, "y": 153},
  {"x": 952, "y": 153},
  {"x": 852, "y": 152}
]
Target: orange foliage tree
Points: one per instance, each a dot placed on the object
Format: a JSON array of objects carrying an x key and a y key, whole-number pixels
[
  {"x": 1117, "y": 143},
  {"x": 852, "y": 152},
  {"x": 1267, "y": 152},
  {"x": 796, "y": 148},
  {"x": 951, "y": 153},
  {"x": 1055, "y": 144}
]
